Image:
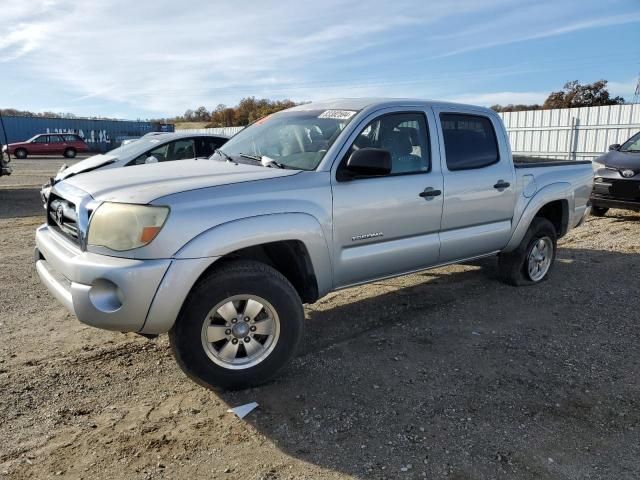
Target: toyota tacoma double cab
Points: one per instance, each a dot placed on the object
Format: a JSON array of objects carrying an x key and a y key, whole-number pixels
[{"x": 223, "y": 253}]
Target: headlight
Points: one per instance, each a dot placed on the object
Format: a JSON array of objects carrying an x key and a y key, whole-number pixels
[
  {"x": 123, "y": 226},
  {"x": 4, "y": 148},
  {"x": 597, "y": 165}
]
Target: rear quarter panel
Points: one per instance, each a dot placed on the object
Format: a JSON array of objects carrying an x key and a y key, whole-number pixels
[{"x": 540, "y": 185}]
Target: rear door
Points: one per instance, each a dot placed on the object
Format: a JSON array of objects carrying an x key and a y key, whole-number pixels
[
  {"x": 387, "y": 225},
  {"x": 479, "y": 184},
  {"x": 55, "y": 146}
]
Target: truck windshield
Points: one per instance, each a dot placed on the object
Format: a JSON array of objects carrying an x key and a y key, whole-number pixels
[{"x": 296, "y": 139}]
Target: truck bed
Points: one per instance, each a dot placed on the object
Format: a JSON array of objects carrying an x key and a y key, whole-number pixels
[{"x": 521, "y": 161}]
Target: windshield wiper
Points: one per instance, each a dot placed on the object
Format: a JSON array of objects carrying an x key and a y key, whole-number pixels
[
  {"x": 264, "y": 160},
  {"x": 225, "y": 155}
]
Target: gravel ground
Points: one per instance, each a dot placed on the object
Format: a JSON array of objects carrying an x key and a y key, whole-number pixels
[{"x": 447, "y": 373}]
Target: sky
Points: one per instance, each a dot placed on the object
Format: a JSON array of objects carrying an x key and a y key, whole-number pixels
[{"x": 152, "y": 59}]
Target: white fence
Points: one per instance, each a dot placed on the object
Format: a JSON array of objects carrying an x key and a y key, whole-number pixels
[
  {"x": 571, "y": 133},
  {"x": 228, "y": 131}
]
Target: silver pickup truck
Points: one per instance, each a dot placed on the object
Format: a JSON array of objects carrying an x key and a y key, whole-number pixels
[{"x": 223, "y": 253}]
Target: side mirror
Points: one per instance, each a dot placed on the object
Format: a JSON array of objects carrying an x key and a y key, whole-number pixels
[
  {"x": 151, "y": 159},
  {"x": 369, "y": 161},
  {"x": 615, "y": 146}
]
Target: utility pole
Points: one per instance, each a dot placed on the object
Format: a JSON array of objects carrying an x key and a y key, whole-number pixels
[{"x": 636, "y": 95}]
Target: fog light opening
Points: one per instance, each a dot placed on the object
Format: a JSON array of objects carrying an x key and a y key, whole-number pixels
[{"x": 105, "y": 295}]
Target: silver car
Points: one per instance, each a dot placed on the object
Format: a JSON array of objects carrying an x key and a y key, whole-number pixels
[{"x": 152, "y": 148}]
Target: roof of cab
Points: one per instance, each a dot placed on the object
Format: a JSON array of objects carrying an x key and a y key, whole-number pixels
[{"x": 377, "y": 103}]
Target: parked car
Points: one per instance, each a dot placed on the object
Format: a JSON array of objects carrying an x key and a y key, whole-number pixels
[
  {"x": 222, "y": 254},
  {"x": 617, "y": 178},
  {"x": 65, "y": 144},
  {"x": 151, "y": 148}
]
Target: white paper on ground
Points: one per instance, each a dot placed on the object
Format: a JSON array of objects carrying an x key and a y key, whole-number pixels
[{"x": 243, "y": 410}]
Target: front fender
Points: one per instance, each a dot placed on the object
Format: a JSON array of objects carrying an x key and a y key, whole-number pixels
[
  {"x": 528, "y": 210},
  {"x": 246, "y": 232}
]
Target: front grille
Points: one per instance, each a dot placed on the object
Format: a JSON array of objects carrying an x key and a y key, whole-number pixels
[
  {"x": 625, "y": 189},
  {"x": 62, "y": 217},
  {"x": 618, "y": 189}
]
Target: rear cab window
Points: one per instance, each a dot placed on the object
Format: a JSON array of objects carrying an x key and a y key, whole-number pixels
[{"x": 469, "y": 141}]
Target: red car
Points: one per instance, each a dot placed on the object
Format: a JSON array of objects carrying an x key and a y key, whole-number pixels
[{"x": 66, "y": 144}]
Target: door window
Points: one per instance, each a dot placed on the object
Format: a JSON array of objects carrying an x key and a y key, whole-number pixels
[
  {"x": 404, "y": 135},
  {"x": 469, "y": 141},
  {"x": 42, "y": 139},
  {"x": 181, "y": 150},
  {"x": 160, "y": 154},
  {"x": 206, "y": 146},
  {"x": 55, "y": 139},
  {"x": 177, "y": 150}
]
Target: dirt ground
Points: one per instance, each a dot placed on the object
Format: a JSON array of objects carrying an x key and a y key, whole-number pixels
[{"x": 447, "y": 373}]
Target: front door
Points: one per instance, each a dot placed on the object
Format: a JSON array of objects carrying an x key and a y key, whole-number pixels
[
  {"x": 479, "y": 184},
  {"x": 389, "y": 225}
]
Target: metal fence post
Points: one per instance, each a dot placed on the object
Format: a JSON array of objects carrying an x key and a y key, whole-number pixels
[{"x": 571, "y": 133}]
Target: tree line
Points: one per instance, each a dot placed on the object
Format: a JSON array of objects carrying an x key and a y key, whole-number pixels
[
  {"x": 573, "y": 94},
  {"x": 248, "y": 110}
]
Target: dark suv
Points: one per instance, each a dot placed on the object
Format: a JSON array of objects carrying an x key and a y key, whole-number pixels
[{"x": 617, "y": 178}]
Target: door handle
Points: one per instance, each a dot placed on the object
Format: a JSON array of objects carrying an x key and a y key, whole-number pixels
[
  {"x": 430, "y": 192},
  {"x": 502, "y": 184}
]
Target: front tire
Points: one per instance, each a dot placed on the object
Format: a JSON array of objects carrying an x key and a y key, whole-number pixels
[
  {"x": 70, "y": 153},
  {"x": 20, "y": 153},
  {"x": 238, "y": 327},
  {"x": 599, "y": 211},
  {"x": 532, "y": 261}
]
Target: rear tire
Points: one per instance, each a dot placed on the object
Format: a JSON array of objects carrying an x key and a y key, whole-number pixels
[
  {"x": 20, "y": 153},
  {"x": 238, "y": 327},
  {"x": 70, "y": 153},
  {"x": 599, "y": 211},
  {"x": 532, "y": 261}
]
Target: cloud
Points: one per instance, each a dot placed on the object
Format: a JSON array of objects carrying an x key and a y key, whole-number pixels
[
  {"x": 164, "y": 56},
  {"x": 501, "y": 98},
  {"x": 625, "y": 89},
  {"x": 504, "y": 37}
]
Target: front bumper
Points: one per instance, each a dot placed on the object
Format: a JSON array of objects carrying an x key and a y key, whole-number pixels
[
  {"x": 105, "y": 292},
  {"x": 608, "y": 202},
  {"x": 609, "y": 191}
]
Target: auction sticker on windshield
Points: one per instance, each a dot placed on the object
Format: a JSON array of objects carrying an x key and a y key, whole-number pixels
[{"x": 337, "y": 114}]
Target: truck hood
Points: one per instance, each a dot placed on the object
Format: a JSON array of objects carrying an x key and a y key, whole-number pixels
[
  {"x": 145, "y": 183},
  {"x": 86, "y": 165},
  {"x": 617, "y": 159}
]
